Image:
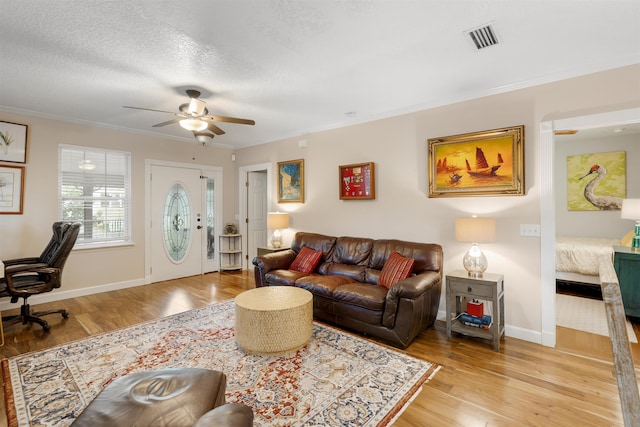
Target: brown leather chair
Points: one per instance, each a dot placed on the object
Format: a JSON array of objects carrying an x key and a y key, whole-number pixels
[
  {"x": 24, "y": 277},
  {"x": 173, "y": 397}
]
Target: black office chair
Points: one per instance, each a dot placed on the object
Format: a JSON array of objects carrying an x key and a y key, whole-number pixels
[{"x": 24, "y": 277}]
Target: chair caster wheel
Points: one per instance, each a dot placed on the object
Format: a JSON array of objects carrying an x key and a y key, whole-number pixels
[
  {"x": 65, "y": 315},
  {"x": 46, "y": 328}
]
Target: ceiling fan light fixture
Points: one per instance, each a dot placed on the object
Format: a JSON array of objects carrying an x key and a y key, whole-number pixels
[
  {"x": 194, "y": 125},
  {"x": 203, "y": 137}
]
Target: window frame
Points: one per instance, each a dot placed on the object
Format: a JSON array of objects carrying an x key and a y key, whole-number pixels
[{"x": 108, "y": 203}]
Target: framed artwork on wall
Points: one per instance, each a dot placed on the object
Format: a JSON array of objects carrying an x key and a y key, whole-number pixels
[
  {"x": 291, "y": 181},
  {"x": 13, "y": 142},
  {"x": 357, "y": 181},
  {"x": 487, "y": 163},
  {"x": 596, "y": 181},
  {"x": 11, "y": 189}
]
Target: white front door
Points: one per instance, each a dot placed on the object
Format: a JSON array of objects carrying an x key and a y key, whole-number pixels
[{"x": 177, "y": 225}]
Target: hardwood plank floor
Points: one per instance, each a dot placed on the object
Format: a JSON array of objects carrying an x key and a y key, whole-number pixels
[{"x": 523, "y": 384}]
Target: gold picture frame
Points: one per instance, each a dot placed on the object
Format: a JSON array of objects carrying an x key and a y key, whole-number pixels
[
  {"x": 11, "y": 189},
  {"x": 487, "y": 163},
  {"x": 291, "y": 181},
  {"x": 357, "y": 181}
]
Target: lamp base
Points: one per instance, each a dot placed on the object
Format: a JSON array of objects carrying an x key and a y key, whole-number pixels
[
  {"x": 276, "y": 239},
  {"x": 475, "y": 262}
]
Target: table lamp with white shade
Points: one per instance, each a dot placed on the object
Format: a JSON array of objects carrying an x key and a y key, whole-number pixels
[
  {"x": 277, "y": 221},
  {"x": 475, "y": 230},
  {"x": 631, "y": 210}
]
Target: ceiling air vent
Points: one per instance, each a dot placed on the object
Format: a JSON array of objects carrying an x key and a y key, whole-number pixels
[{"x": 483, "y": 36}]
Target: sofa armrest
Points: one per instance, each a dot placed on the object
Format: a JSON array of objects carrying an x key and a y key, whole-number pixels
[
  {"x": 409, "y": 288},
  {"x": 274, "y": 261}
]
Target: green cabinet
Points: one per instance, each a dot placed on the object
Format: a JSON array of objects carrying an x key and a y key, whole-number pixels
[{"x": 626, "y": 262}]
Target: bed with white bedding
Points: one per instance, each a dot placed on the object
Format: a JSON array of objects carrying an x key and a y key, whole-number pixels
[{"x": 582, "y": 254}]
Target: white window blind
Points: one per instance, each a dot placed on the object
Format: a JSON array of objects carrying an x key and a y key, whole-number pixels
[{"x": 95, "y": 189}]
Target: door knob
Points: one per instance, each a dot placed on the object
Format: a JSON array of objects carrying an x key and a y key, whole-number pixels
[{"x": 199, "y": 227}]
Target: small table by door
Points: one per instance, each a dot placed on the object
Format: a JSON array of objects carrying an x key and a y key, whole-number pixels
[{"x": 489, "y": 287}]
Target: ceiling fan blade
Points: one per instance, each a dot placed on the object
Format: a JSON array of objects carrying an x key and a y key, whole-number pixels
[
  {"x": 230, "y": 120},
  {"x": 168, "y": 122},
  {"x": 215, "y": 129},
  {"x": 148, "y": 109}
]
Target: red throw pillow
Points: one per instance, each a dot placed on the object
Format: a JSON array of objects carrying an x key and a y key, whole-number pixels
[
  {"x": 395, "y": 269},
  {"x": 306, "y": 260}
]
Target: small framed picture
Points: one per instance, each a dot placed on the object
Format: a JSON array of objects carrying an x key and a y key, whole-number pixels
[
  {"x": 357, "y": 181},
  {"x": 11, "y": 189},
  {"x": 13, "y": 142},
  {"x": 291, "y": 181}
]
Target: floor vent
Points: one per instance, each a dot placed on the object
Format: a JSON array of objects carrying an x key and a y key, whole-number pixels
[{"x": 483, "y": 37}]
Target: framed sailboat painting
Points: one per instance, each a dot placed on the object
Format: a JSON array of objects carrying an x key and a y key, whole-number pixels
[{"x": 487, "y": 163}]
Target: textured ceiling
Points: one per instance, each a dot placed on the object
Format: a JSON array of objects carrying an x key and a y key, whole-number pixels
[{"x": 292, "y": 66}]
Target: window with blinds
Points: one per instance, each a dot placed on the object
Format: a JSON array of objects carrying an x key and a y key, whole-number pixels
[{"x": 95, "y": 189}]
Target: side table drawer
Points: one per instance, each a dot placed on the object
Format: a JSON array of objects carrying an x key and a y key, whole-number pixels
[{"x": 476, "y": 290}]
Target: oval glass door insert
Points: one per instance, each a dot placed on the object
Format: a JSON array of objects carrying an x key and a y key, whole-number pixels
[{"x": 177, "y": 218}]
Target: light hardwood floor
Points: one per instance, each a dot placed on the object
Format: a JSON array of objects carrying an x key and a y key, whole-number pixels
[{"x": 523, "y": 384}]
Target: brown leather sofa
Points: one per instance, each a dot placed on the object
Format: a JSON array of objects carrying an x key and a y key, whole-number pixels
[
  {"x": 345, "y": 284},
  {"x": 173, "y": 397}
]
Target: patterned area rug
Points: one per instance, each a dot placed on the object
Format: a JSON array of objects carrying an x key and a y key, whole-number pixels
[{"x": 337, "y": 379}]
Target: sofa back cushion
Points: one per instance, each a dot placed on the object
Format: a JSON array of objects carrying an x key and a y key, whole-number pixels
[
  {"x": 351, "y": 251},
  {"x": 349, "y": 257},
  {"x": 318, "y": 242},
  {"x": 396, "y": 268},
  {"x": 426, "y": 256}
]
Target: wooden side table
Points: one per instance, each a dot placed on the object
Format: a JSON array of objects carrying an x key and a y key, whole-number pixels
[
  {"x": 626, "y": 262},
  {"x": 270, "y": 249},
  {"x": 489, "y": 288}
]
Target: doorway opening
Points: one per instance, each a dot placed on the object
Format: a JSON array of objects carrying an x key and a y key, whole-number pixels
[{"x": 254, "y": 196}]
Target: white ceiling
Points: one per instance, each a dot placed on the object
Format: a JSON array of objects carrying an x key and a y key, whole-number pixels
[{"x": 292, "y": 66}]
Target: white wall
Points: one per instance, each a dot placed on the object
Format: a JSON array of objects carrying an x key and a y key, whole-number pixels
[
  {"x": 398, "y": 146},
  {"x": 606, "y": 224},
  {"x": 401, "y": 209},
  {"x": 27, "y": 234}
]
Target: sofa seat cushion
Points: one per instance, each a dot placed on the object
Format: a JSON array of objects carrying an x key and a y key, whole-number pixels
[
  {"x": 283, "y": 277},
  {"x": 362, "y": 295},
  {"x": 323, "y": 286}
]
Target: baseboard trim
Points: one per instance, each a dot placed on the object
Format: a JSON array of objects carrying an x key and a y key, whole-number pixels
[{"x": 60, "y": 294}]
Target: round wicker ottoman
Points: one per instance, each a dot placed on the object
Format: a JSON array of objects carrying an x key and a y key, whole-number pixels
[{"x": 273, "y": 320}]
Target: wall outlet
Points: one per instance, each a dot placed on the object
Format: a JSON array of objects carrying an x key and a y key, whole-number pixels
[{"x": 530, "y": 230}]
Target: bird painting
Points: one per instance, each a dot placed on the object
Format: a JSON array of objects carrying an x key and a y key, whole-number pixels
[
  {"x": 596, "y": 181},
  {"x": 602, "y": 202}
]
